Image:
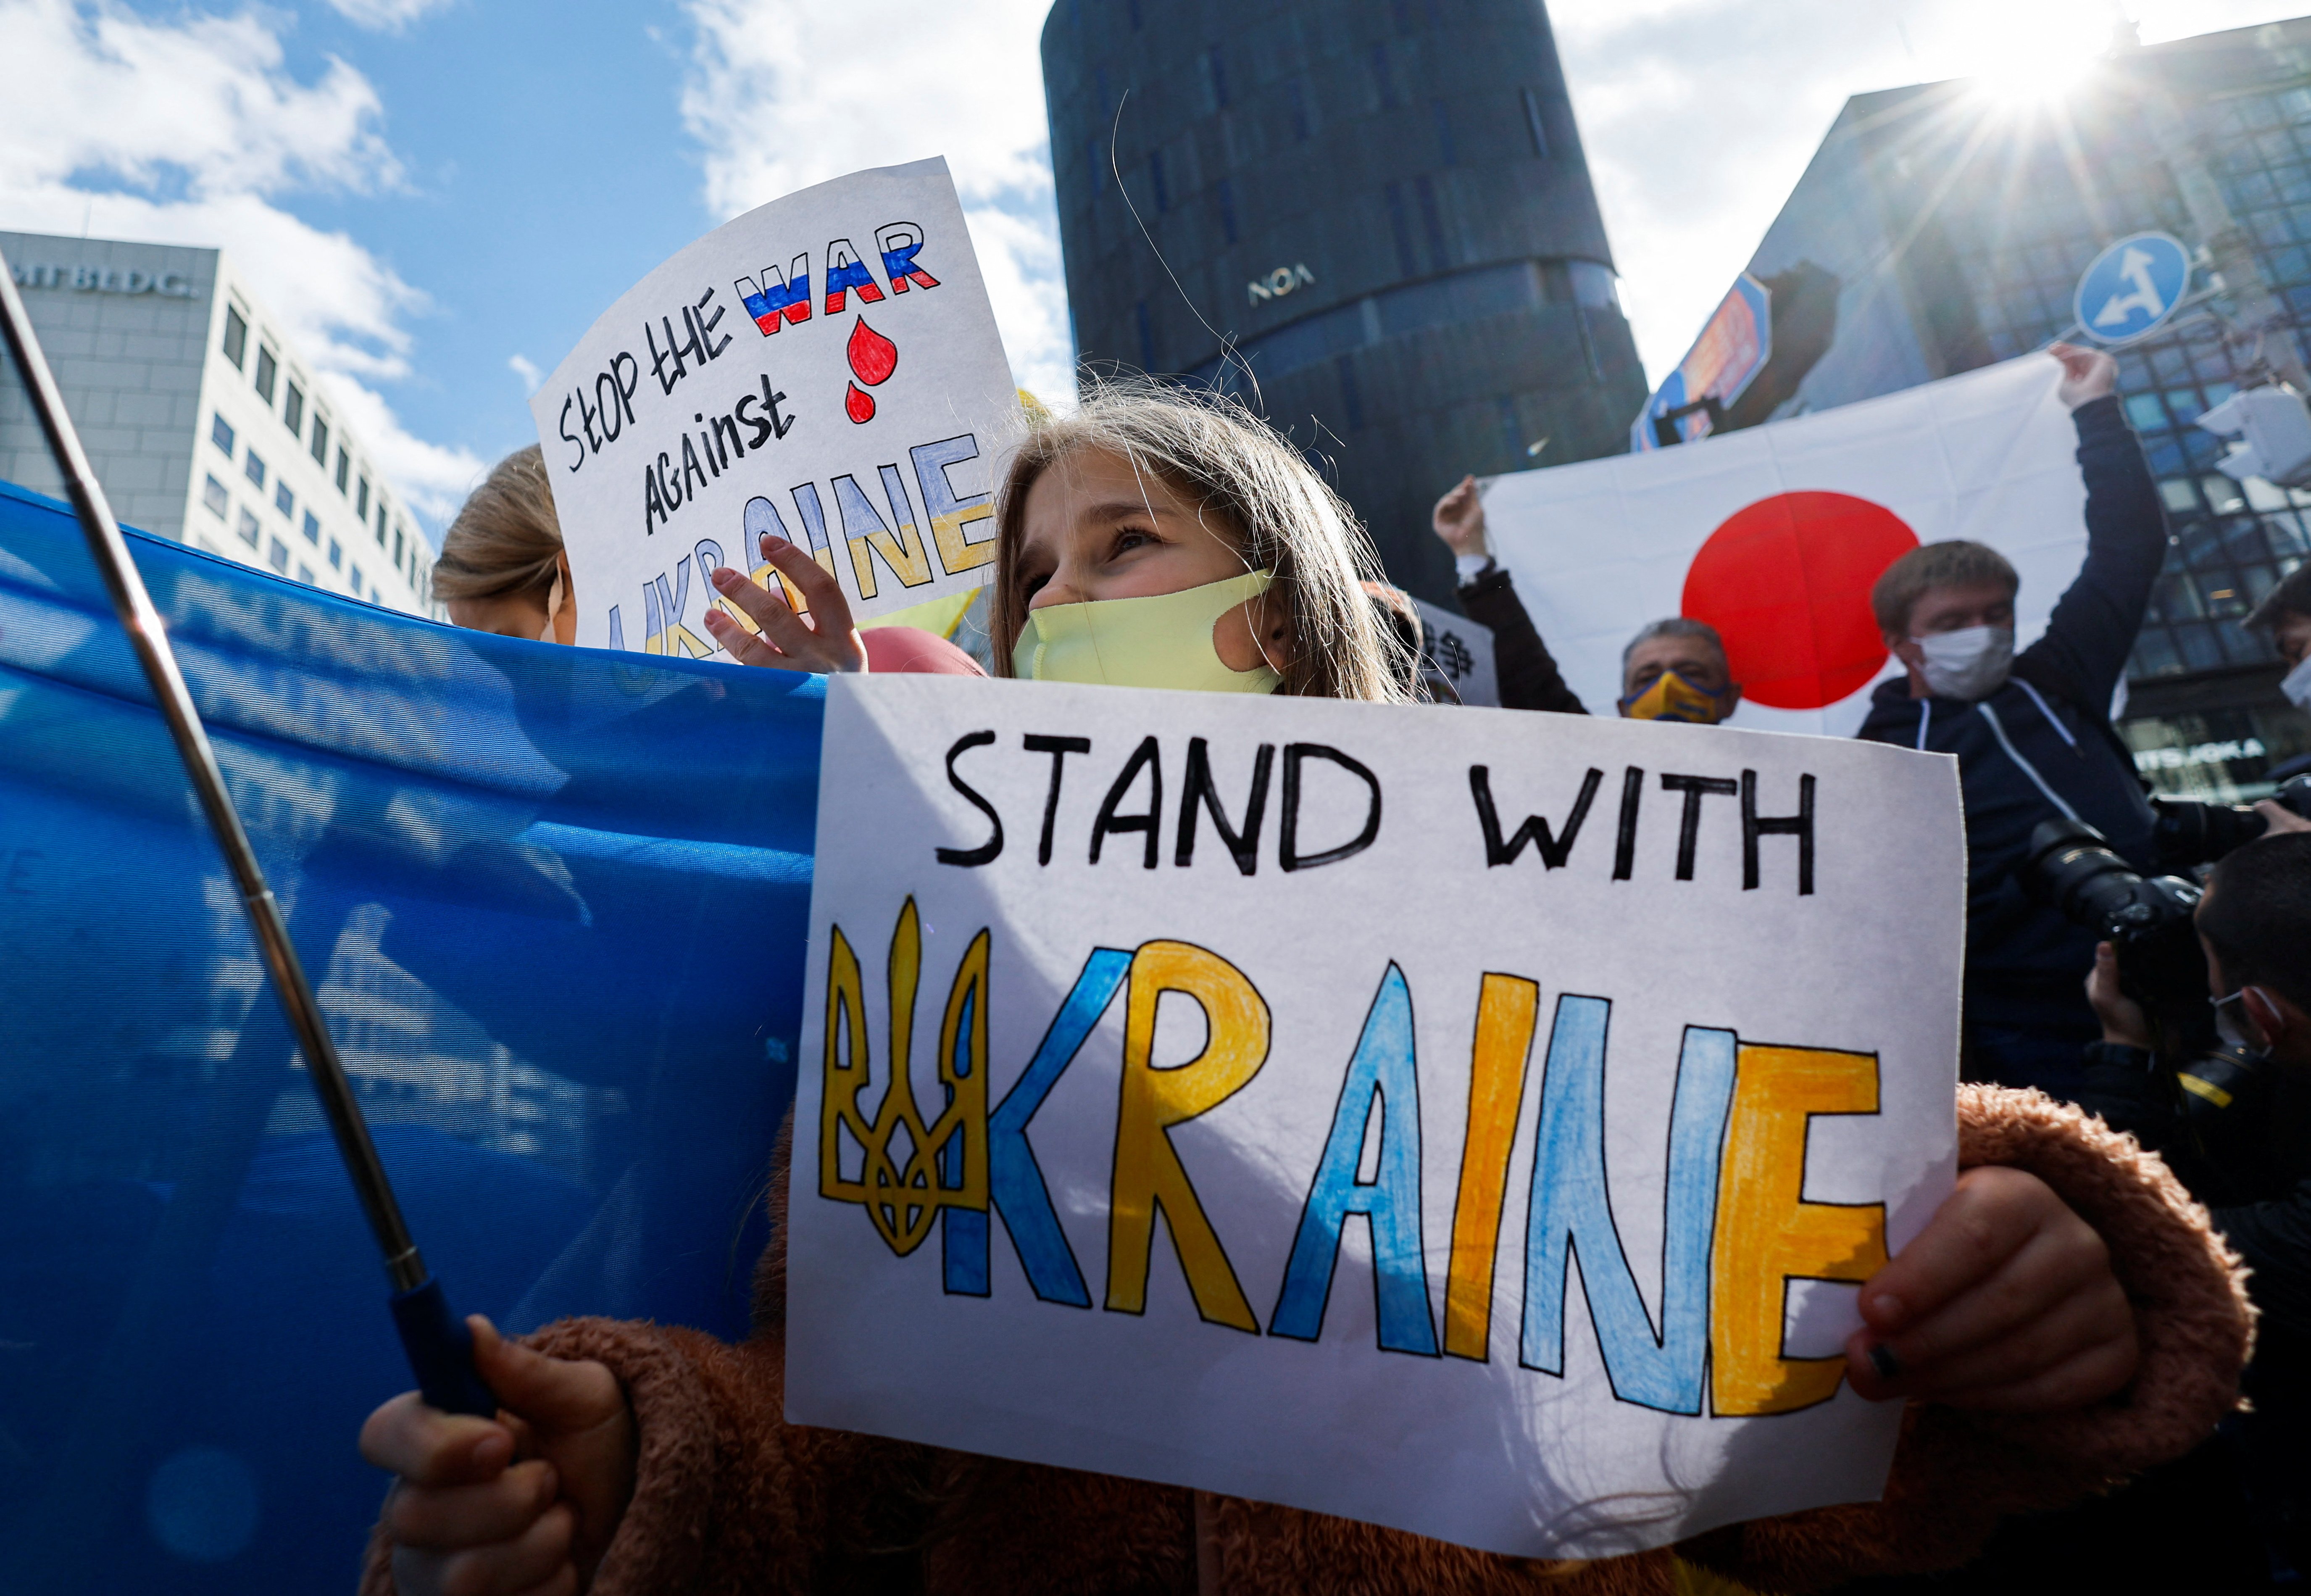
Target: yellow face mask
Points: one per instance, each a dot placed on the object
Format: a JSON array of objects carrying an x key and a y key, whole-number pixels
[
  {"x": 1164, "y": 640},
  {"x": 1673, "y": 698}
]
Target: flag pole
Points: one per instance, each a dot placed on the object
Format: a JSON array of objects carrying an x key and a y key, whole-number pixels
[{"x": 438, "y": 1344}]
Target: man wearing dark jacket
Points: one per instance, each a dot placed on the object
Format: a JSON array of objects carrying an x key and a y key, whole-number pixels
[
  {"x": 1529, "y": 677},
  {"x": 2249, "y": 1158},
  {"x": 1673, "y": 668},
  {"x": 2031, "y": 732}
]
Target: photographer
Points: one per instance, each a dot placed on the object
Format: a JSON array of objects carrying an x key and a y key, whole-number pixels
[
  {"x": 2236, "y": 1128},
  {"x": 2246, "y": 1154},
  {"x": 2031, "y": 733}
]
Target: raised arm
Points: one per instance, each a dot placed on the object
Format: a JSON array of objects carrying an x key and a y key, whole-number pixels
[
  {"x": 2084, "y": 650},
  {"x": 1528, "y": 677}
]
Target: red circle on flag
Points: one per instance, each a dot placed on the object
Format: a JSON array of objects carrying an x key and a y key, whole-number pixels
[{"x": 1786, "y": 582}]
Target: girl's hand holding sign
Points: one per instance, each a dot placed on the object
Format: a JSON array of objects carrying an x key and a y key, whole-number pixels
[{"x": 827, "y": 643}]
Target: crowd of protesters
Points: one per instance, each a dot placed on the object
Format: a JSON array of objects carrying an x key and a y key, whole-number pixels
[{"x": 2068, "y": 1318}]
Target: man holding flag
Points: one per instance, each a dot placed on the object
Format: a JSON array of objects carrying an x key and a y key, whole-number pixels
[{"x": 2032, "y": 732}]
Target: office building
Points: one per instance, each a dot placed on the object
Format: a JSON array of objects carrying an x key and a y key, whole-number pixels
[
  {"x": 1939, "y": 228},
  {"x": 1373, "y": 221},
  {"x": 203, "y": 422}
]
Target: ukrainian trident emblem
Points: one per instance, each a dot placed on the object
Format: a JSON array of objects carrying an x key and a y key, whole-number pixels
[{"x": 911, "y": 1172}]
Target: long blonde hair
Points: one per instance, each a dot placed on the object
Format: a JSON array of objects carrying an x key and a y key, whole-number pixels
[
  {"x": 506, "y": 538},
  {"x": 1239, "y": 470}
]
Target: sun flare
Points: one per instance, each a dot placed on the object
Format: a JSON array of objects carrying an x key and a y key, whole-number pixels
[{"x": 2028, "y": 52}]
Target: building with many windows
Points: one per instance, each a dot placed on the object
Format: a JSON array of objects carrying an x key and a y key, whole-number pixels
[
  {"x": 203, "y": 422},
  {"x": 1941, "y": 228},
  {"x": 1373, "y": 221}
]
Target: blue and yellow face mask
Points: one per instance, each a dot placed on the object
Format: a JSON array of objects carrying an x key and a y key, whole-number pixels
[{"x": 1673, "y": 698}]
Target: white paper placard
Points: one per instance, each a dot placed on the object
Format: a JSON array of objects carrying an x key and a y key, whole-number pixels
[
  {"x": 1242, "y": 964},
  {"x": 1459, "y": 650},
  {"x": 824, "y": 367}
]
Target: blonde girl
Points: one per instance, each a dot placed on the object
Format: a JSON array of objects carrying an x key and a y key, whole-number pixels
[
  {"x": 502, "y": 568},
  {"x": 1151, "y": 539}
]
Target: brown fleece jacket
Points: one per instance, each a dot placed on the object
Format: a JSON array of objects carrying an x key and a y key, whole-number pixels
[{"x": 731, "y": 1500}]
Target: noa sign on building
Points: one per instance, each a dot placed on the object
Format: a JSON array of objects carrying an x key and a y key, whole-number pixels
[
  {"x": 1472, "y": 1122},
  {"x": 825, "y": 370}
]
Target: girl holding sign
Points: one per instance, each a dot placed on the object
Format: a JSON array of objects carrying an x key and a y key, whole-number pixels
[
  {"x": 1143, "y": 542},
  {"x": 2065, "y": 1319}
]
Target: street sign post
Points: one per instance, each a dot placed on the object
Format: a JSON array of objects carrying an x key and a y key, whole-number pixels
[{"x": 2131, "y": 288}]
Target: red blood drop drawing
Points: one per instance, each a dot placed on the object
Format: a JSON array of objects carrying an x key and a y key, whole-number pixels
[
  {"x": 859, "y": 403},
  {"x": 1786, "y": 582},
  {"x": 873, "y": 356}
]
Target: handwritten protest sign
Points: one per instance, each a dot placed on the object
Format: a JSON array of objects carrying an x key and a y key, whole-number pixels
[
  {"x": 1520, "y": 1098},
  {"x": 824, "y": 368}
]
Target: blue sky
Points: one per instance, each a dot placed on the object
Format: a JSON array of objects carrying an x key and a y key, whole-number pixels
[
  {"x": 546, "y": 168},
  {"x": 437, "y": 194}
]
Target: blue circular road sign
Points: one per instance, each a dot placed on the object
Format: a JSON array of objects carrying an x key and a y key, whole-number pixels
[{"x": 2131, "y": 288}]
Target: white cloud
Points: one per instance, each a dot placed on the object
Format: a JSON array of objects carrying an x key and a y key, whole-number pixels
[
  {"x": 186, "y": 132},
  {"x": 385, "y": 16},
  {"x": 525, "y": 368},
  {"x": 784, "y": 95},
  {"x": 1699, "y": 116}
]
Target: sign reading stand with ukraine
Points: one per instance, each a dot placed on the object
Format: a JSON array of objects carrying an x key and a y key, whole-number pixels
[
  {"x": 825, "y": 368},
  {"x": 1473, "y": 1123}
]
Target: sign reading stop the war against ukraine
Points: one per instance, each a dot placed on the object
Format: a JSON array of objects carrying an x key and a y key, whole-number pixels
[
  {"x": 1468, "y": 1121},
  {"x": 824, "y": 368},
  {"x": 1775, "y": 533}
]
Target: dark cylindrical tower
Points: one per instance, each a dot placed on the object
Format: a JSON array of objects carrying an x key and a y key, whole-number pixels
[{"x": 1380, "y": 206}]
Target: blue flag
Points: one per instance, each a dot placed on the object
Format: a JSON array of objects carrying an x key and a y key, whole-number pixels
[{"x": 554, "y": 901}]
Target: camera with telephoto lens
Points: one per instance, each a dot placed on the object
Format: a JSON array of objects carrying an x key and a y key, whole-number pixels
[
  {"x": 2147, "y": 919},
  {"x": 2189, "y": 832}
]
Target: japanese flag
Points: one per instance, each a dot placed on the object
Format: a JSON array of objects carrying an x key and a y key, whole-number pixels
[{"x": 1775, "y": 533}]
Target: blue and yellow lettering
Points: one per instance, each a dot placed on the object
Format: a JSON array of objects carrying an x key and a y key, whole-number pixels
[
  {"x": 1381, "y": 1080},
  {"x": 1015, "y": 1180},
  {"x": 868, "y": 537},
  {"x": 951, "y": 514},
  {"x": 1570, "y": 1213}
]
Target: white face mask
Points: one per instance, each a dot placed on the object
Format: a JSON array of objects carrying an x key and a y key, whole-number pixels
[
  {"x": 1971, "y": 662},
  {"x": 2297, "y": 684}
]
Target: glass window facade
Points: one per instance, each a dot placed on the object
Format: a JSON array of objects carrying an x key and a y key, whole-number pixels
[
  {"x": 2230, "y": 542},
  {"x": 1960, "y": 230}
]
